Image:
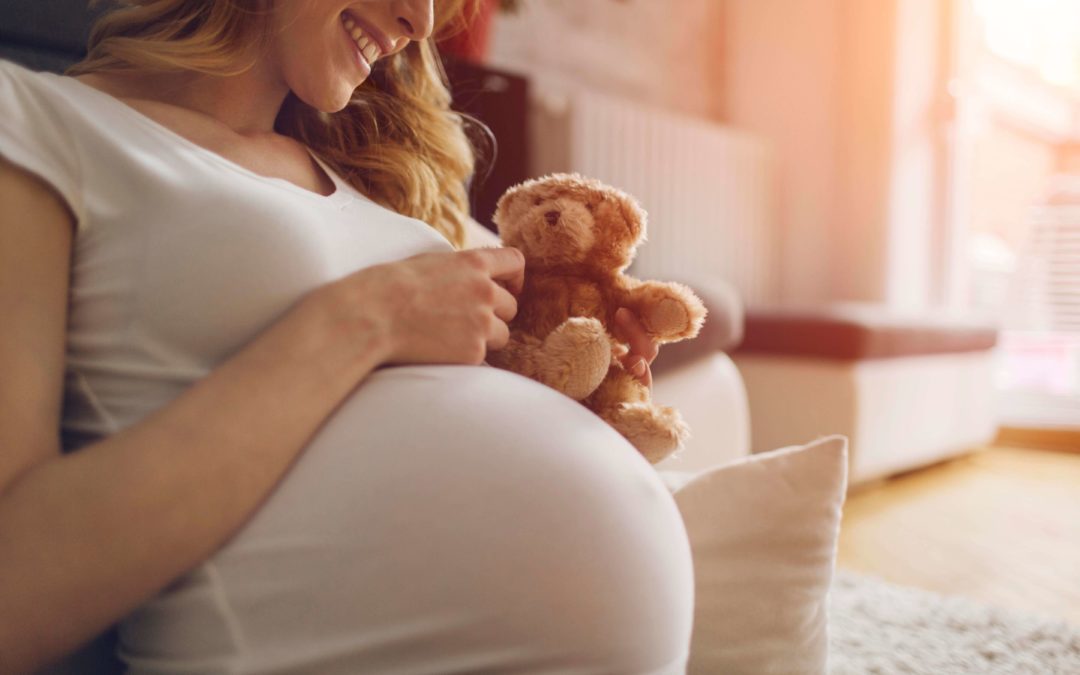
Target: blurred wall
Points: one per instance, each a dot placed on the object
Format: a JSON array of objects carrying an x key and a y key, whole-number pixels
[
  {"x": 851, "y": 92},
  {"x": 661, "y": 53},
  {"x": 781, "y": 81},
  {"x": 847, "y": 91}
]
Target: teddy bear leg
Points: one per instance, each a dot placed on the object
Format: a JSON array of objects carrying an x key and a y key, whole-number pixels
[
  {"x": 623, "y": 402},
  {"x": 656, "y": 431},
  {"x": 577, "y": 356}
]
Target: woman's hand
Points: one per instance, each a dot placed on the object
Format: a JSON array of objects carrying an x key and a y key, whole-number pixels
[
  {"x": 643, "y": 349},
  {"x": 435, "y": 307}
]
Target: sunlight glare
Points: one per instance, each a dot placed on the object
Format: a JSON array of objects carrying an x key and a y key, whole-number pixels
[{"x": 1040, "y": 34}]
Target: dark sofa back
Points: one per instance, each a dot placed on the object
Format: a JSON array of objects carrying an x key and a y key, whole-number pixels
[{"x": 44, "y": 34}]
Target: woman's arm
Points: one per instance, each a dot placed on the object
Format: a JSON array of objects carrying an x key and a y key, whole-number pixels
[{"x": 85, "y": 537}]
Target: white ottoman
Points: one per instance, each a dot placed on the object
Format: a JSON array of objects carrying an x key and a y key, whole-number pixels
[{"x": 905, "y": 391}]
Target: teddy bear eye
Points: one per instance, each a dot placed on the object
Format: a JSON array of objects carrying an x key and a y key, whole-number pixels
[
  {"x": 538, "y": 201},
  {"x": 590, "y": 206}
]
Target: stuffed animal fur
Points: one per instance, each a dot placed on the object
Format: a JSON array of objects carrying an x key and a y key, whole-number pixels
[{"x": 578, "y": 235}]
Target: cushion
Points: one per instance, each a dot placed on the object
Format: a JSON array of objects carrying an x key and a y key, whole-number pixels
[{"x": 763, "y": 534}]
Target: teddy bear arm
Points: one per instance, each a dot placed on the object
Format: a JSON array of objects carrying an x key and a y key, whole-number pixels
[{"x": 669, "y": 311}]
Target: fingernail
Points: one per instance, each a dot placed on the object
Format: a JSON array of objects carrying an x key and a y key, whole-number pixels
[{"x": 639, "y": 368}]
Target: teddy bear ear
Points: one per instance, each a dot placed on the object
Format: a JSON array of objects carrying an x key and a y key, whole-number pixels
[
  {"x": 504, "y": 199},
  {"x": 634, "y": 216},
  {"x": 512, "y": 193}
]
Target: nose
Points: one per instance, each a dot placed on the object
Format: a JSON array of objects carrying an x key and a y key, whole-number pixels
[
  {"x": 552, "y": 217},
  {"x": 416, "y": 18}
]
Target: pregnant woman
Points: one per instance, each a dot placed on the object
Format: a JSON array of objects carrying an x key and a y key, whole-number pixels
[{"x": 233, "y": 276}]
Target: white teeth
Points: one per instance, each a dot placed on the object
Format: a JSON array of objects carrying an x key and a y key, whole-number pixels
[{"x": 368, "y": 47}]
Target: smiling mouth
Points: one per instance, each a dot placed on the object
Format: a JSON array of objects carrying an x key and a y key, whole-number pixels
[{"x": 365, "y": 44}]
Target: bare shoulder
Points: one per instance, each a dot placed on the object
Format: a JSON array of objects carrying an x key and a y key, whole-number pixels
[{"x": 27, "y": 197}]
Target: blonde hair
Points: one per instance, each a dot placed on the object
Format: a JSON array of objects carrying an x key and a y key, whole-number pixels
[{"x": 397, "y": 140}]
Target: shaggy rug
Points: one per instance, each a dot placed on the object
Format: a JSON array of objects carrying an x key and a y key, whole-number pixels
[{"x": 877, "y": 628}]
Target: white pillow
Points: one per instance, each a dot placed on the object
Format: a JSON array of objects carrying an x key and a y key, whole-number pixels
[{"x": 763, "y": 534}]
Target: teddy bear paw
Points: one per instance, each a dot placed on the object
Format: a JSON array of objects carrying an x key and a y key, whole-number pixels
[
  {"x": 656, "y": 431},
  {"x": 668, "y": 317}
]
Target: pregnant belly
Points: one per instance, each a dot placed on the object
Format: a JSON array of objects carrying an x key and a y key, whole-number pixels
[
  {"x": 415, "y": 429},
  {"x": 428, "y": 488}
]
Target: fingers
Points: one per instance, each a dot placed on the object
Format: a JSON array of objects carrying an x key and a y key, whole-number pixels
[
  {"x": 639, "y": 368},
  {"x": 505, "y": 305},
  {"x": 505, "y": 264},
  {"x": 646, "y": 377},
  {"x": 641, "y": 345},
  {"x": 499, "y": 336},
  {"x": 643, "y": 349}
]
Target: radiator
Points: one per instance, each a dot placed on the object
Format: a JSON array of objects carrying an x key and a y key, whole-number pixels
[{"x": 707, "y": 188}]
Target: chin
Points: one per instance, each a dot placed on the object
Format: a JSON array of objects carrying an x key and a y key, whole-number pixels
[
  {"x": 327, "y": 101},
  {"x": 336, "y": 105}
]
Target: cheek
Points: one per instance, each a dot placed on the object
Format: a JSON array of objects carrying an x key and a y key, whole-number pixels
[
  {"x": 311, "y": 52},
  {"x": 519, "y": 208}
]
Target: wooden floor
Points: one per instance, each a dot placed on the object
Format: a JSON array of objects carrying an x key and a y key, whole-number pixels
[{"x": 1001, "y": 526}]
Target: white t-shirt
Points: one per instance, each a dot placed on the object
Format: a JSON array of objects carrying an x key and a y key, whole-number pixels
[{"x": 181, "y": 256}]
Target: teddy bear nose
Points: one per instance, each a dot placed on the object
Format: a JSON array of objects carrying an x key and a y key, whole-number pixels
[{"x": 552, "y": 217}]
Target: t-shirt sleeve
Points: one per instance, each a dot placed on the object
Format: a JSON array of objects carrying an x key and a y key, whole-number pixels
[
  {"x": 34, "y": 136},
  {"x": 478, "y": 236}
]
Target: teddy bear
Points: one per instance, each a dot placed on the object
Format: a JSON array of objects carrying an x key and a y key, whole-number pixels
[{"x": 578, "y": 235}]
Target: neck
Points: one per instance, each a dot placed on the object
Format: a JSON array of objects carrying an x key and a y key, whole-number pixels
[{"x": 247, "y": 103}]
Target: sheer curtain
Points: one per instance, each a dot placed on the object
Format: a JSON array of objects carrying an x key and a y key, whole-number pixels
[
  {"x": 1015, "y": 192},
  {"x": 1039, "y": 375}
]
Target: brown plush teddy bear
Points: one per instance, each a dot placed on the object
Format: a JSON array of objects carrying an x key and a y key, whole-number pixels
[{"x": 578, "y": 235}]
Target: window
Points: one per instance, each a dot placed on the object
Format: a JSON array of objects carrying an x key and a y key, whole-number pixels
[{"x": 1016, "y": 196}]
